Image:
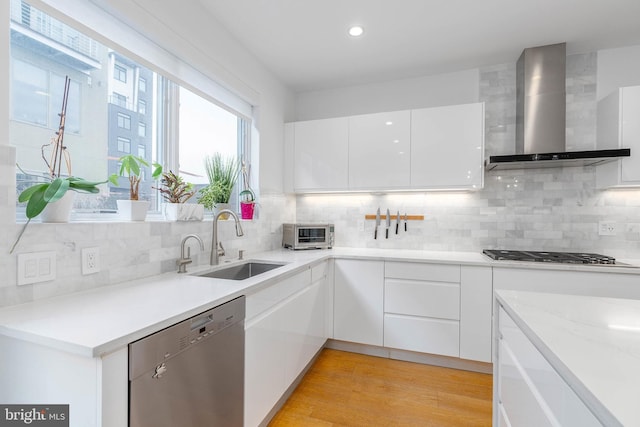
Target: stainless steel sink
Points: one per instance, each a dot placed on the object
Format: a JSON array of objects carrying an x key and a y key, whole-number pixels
[{"x": 240, "y": 271}]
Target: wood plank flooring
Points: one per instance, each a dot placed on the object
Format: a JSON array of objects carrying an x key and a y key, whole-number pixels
[{"x": 349, "y": 389}]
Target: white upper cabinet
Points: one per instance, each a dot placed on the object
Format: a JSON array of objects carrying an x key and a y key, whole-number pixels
[
  {"x": 619, "y": 127},
  {"x": 320, "y": 155},
  {"x": 447, "y": 147},
  {"x": 380, "y": 151},
  {"x": 439, "y": 148}
]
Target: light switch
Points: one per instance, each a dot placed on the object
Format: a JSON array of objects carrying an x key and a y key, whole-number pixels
[{"x": 36, "y": 267}]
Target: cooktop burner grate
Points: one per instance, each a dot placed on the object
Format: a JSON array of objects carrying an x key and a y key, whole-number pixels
[{"x": 554, "y": 257}]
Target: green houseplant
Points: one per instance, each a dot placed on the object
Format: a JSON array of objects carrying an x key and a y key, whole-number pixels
[
  {"x": 131, "y": 167},
  {"x": 222, "y": 173},
  {"x": 176, "y": 192},
  {"x": 53, "y": 199}
]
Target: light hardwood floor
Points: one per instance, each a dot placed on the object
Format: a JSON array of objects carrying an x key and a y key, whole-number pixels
[{"x": 349, "y": 389}]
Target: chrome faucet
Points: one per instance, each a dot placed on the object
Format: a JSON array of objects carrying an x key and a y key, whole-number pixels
[
  {"x": 184, "y": 260},
  {"x": 215, "y": 252}
]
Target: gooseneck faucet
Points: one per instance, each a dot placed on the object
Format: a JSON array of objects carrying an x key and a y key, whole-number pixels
[
  {"x": 186, "y": 258},
  {"x": 215, "y": 252}
]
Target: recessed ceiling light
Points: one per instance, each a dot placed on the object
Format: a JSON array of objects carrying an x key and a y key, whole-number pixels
[{"x": 356, "y": 31}]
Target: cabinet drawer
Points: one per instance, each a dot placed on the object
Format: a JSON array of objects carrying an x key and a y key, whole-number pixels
[
  {"x": 319, "y": 272},
  {"x": 420, "y": 298},
  {"x": 420, "y": 271},
  {"x": 564, "y": 404},
  {"x": 433, "y": 336},
  {"x": 272, "y": 295},
  {"x": 518, "y": 400}
]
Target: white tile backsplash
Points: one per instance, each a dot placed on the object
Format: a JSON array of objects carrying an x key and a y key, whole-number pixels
[{"x": 130, "y": 250}]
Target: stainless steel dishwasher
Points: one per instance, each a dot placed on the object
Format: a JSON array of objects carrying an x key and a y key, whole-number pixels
[{"x": 190, "y": 374}]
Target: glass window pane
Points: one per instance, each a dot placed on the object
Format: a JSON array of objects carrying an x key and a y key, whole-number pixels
[
  {"x": 204, "y": 130},
  {"x": 30, "y": 93}
]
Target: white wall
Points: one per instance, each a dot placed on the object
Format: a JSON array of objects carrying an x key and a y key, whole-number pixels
[
  {"x": 133, "y": 250},
  {"x": 429, "y": 91},
  {"x": 618, "y": 68}
]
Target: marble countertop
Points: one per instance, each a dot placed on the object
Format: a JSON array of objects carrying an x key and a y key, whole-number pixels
[
  {"x": 99, "y": 321},
  {"x": 592, "y": 342}
]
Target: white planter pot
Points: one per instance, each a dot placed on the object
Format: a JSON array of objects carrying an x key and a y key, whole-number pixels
[
  {"x": 183, "y": 212},
  {"x": 133, "y": 210},
  {"x": 220, "y": 206},
  {"x": 60, "y": 210}
]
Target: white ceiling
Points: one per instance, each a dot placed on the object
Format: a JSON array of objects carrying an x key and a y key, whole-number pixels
[{"x": 305, "y": 42}]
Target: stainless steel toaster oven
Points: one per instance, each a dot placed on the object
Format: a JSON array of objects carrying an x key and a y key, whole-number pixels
[{"x": 307, "y": 236}]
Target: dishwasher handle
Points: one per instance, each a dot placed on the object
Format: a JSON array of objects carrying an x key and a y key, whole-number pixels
[{"x": 199, "y": 322}]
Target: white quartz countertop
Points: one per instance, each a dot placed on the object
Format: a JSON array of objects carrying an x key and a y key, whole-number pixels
[
  {"x": 592, "y": 342},
  {"x": 102, "y": 320}
]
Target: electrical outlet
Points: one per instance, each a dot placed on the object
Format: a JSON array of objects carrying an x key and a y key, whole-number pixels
[
  {"x": 36, "y": 267},
  {"x": 607, "y": 228},
  {"x": 90, "y": 260}
]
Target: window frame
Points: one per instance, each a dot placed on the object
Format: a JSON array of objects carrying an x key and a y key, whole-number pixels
[
  {"x": 126, "y": 120},
  {"x": 120, "y": 73}
]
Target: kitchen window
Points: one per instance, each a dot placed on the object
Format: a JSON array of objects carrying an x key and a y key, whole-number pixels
[{"x": 177, "y": 126}]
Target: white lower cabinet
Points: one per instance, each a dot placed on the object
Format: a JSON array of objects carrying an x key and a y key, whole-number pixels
[
  {"x": 95, "y": 388},
  {"x": 435, "y": 336},
  {"x": 529, "y": 390},
  {"x": 442, "y": 309},
  {"x": 476, "y": 313},
  {"x": 281, "y": 339},
  {"x": 422, "y": 308},
  {"x": 358, "y": 301}
]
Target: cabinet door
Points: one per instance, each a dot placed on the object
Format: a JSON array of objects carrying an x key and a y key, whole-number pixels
[
  {"x": 476, "y": 308},
  {"x": 379, "y": 151},
  {"x": 619, "y": 127},
  {"x": 630, "y": 134},
  {"x": 358, "y": 304},
  {"x": 447, "y": 147},
  {"x": 320, "y": 155}
]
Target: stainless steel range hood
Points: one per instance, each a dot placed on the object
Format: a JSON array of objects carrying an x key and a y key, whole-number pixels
[{"x": 540, "y": 116}]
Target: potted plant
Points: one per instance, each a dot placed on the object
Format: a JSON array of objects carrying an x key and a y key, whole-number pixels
[
  {"x": 247, "y": 196},
  {"x": 176, "y": 191},
  {"x": 222, "y": 173},
  {"x": 130, "y": 166},
  {"x": 52, "y": 198},
  {"x": 247, "y": 203}
]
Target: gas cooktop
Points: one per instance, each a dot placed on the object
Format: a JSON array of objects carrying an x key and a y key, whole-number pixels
[{"x": 555, "y": 257}]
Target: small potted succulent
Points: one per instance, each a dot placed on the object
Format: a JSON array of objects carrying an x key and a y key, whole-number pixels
[
  {"x": 176, "y": 191},
  {"x": 131, "y": 166},
  {"x": 222, "y": 174}
]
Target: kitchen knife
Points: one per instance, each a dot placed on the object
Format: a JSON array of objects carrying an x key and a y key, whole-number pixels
[
  {"x": 388, "y": 224},
  {"x": 375, "y": 232},
  {"x": 405, "y": 221},
  {"x": 397, "y": 221}
]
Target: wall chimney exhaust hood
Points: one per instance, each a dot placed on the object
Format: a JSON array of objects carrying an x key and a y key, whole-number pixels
[{"x": 540, "y": 116}]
